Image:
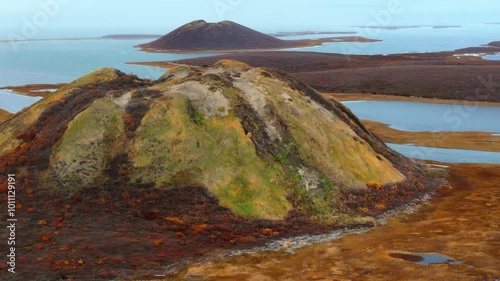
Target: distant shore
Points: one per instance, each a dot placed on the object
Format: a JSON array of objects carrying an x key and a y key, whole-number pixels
[
  {"x": 382, "y": 97},
  {"x": 34, "y": 90},
  {"x": 396, "y": 27},
  {"x": 105, "y": 37},
  {"x": 302, "y": 33},
  {"x": 442, "y": 75}
]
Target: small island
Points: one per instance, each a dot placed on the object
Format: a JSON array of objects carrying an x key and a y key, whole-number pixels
[{"x": 228, "y": 36}]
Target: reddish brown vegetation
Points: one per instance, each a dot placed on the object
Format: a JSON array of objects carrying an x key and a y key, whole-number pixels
[
  {"x": 114, "y": 239},
  {"x": 403, "y": 74},
  {"x": 375, "y": 201}
]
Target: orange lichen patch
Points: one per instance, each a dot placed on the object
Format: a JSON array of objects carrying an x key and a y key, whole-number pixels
[
  {"x": 175, "y": 220},
  {"x": 198, "y": 228},
  {"x": 42, "y": 222}
]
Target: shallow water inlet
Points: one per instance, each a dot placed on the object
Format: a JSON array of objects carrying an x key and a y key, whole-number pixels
[{"x": 425, "y": 259}]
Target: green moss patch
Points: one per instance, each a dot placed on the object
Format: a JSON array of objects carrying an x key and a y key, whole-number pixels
[
  {"x": 176, "y": 146},
  {"x": 81, "y": 156}
]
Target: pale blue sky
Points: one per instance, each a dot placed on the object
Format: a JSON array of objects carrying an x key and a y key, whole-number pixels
[{"x": 100, "y": 17}]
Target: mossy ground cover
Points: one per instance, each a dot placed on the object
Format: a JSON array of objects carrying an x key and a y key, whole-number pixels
[
  {"x": 177, "y": 147},
  {"x": 82, "y": 154}
]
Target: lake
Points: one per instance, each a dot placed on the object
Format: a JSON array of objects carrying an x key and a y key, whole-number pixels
[
  {"x": 408, "y": 40},
  {"x": 431, "y": 117},
  {"x": 446, "y": 154},
  {"x": 51, "y": 62},
  {"x": 492, "y": 57},
  {"x": 13, "y": 102}
]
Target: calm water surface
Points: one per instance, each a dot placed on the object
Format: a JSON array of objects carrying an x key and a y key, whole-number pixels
[
  {"x": 13, "y": 102},
  {"x": 431, "y": 117},
  {"x": 50, "y": 62},
  {"x": 409, "y": 40},
  {"x": 447, "y": 155},
  {"x": 492, "y": 57}
]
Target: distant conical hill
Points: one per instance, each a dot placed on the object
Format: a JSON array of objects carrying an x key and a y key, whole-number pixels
[
  {"x": 116, "y": 173},
  {"x": 226, "y": 35}
]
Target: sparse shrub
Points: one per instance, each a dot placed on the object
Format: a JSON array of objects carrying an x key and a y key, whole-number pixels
[
  {"x": 29, "y": 191},
  {"x": 363, "y": 209},
  {"x": 267, "y": 231},
  {"x": 197, "y": 117},
  {"x": 45, "y": 237},
  {"x": 374, "y": 185},
  {"x": 135, "y": 111}
]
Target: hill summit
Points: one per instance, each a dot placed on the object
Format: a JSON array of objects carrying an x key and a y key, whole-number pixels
[
  {"x": 115, "y": 173},
  {"x": 226, "y": 35}
]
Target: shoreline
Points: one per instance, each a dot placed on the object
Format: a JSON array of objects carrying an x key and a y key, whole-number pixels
[
  {"x": 385, "y": 97},
  {"x": 481, "y": 141},
  {"x": 34, "y": 90}
]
